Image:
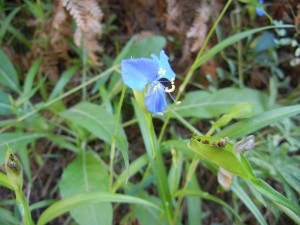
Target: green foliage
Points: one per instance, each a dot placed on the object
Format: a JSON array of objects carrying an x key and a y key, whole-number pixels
[
  {"x": 115, "y": 155},
  {"x": 8, "y": 74},
  {"x": 88, "y": 175}
]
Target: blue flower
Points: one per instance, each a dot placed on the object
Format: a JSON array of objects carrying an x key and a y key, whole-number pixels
[
  {"x": 259, "y": 11},
  {"x": 137, "y": 73}
]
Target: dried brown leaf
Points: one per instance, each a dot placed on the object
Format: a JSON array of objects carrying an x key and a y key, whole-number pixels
[{"x": 197, "y": 32}]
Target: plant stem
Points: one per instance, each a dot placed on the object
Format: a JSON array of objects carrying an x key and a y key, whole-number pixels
[
  {"x": 190, "y": 173},
  {"x": 113, "y": 143},
  {"x": 239, "y": 49},
  {"x": 184, "y": 122},
  {"x": 155, "y": 157},
  {"x": 84, "y": 58},
  {"x": 193, "y": 67},
  {"x": 47, "y": 104},
  {"x": 23, "y": 207}
]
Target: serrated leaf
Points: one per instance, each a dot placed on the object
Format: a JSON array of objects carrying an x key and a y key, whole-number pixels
[{"x": 84, "y": 175}]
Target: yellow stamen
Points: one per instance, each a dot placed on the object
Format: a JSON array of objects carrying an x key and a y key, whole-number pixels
[
  {"x": 171, "y": 90},
  {"x": 178, "y": 102}
]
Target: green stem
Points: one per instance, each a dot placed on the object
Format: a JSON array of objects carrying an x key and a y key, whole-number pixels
[
  {"x": 113, "y": 143},
  {"x": 190, "y": 173},
  {"x": 47, "y": 104},
  {"x": 84, "y": 57},
  {"x": 239, "y": 49},
  {"x": 23, "y": 207},
  {"x": 193, "y": 67},
  {"x": 155, "y": 157}
]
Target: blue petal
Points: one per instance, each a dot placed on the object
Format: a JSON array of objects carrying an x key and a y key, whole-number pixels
[
  {"x": 259, "y": 11},
  {"x": 163, "y": 63},
  {"x": 136, "y": 73},
  {"x": 156, "y": 100}
]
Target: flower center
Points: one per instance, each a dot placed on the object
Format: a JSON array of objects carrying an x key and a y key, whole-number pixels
[{"x": 159, "y": 84}]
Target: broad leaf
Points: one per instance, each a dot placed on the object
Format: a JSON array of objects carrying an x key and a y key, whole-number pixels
[
  {"x": 237, "y": 164},
  {"x": 84, "y": 175},
  {"x": 222, "y": 156},
  {"x": 204, "y": 104},
  {"x": 67, "y": 204},
  {"x": 100, "y": 123}
]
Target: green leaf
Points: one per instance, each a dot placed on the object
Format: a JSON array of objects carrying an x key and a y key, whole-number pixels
[
  {"x": 146, "y": 215},
  {"x": 272, "y": 194},
  {"x": 207, "y": 196},
  {"x": 222, "y": 156},
  {"x": 175, "y": 171},
  {"x": 64, "y": 79},
  {"x": 5, "y": 181},
  {"x": 67, "y": 204},
  {"x": 204, "y": 104},
  {"x": 263, "y": 42},
  {"x": 243, "y": 196},
  {"x": 30, "y": 77},
  {"x": 194, "y": 209},
  {"x": 250, "y": 125},
  {"x": 84, "y": 175},
  {"x": 147, "y": 46},
  {"x": 8, "y": 74},
  {"x": 239, "y": 111},
  {"x": 36, "y": 9},
  {"x": 231, "y": 40},
  {"x": 5, "y": 24},
  {"x": 5, "y": 106},
  {"x": 96, "y": 120},
  {"x": 14, "y": 140},
  {"x": 291, "y": 174},
  {"x": 7, "y": 217}
]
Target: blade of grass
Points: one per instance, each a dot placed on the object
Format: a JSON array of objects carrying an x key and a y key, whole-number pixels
[
  {"x": 250, "y": 125},
  {"x": 5, "y": 24},
  {"x": 243, "y": 196},
  {"x": 207, "y": 196}
]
